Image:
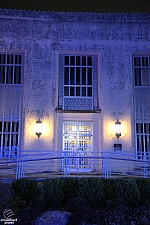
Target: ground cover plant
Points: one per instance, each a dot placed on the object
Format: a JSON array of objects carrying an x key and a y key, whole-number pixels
[{"x": 90, "y": 200}]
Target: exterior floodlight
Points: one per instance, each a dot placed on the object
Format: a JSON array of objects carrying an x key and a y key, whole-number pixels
[
  {"x": 118, "y": 129},
  {"x": 38, "y": 128}
]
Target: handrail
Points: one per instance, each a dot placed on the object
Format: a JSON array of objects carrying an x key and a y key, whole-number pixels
[{"x": 108, "y": 164}]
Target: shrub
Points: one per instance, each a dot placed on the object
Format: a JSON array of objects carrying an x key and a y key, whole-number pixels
[
  {"x": 144, "y": 189},
  {"x": 127, "y": 191},
  {"x": 110, "y": 189},
  {"x": 76, "y": 204},
  {"x": 26, "y": 189},
  {"x": 17, "y": 204},
  {"x": 53, "y": 192},
  {"x": 70, "y": 188},
  {"x": 92, "y": 190}
]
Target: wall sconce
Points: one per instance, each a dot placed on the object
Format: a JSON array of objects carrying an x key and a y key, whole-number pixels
[
  {"x": 118, "y": 128},
  {"x": 38, "y": 127}
]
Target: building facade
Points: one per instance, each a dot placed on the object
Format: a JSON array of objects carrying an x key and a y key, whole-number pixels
[{"x": 80, "y": 74}]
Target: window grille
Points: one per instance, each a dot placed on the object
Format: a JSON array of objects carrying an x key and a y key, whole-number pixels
[
  {"x": 143, "y": 140},
  {"x": 141, "y": 70},
  {"x": 9, "y": 135},
  {"x": 78, "y": 73},
  {"x": 11, "y": 66},
  {"x": 78, "y": 82}
]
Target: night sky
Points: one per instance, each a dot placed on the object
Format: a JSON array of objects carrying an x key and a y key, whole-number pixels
[{"x": 79, "y": 5}]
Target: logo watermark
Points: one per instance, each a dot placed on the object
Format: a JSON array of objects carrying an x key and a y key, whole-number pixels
[{"x": 8, "y": 214}]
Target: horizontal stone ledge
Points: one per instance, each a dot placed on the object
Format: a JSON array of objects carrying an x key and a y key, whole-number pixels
[{"x": 77, "y": 111}]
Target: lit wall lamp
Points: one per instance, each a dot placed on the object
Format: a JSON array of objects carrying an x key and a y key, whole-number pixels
[
  {"x": 38, "y": 128},
  {"x": 118, "y": 128}
]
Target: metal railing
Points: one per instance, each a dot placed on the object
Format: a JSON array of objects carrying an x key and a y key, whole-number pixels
[{"x": 47, "y": 164}]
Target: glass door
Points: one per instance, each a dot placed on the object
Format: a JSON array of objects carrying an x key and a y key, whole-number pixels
[{"x": 77, "y": 142}]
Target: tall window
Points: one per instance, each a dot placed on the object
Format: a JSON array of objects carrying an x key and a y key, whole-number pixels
[
  {"x": 78, "y": 82},
  {"x": 142, "y": 70},
  {"x": 78, "y": 73},
  {"x": 11, "y": 66},
  {"x": 141, "y": 66}
]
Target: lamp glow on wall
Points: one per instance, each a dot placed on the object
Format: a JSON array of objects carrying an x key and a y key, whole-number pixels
[
  {"x": 38, "y": 127},
  {"x": 118, "y": 129}
]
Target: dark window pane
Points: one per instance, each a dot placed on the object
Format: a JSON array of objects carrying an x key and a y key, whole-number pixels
[
  {"x": 146, "y": 143},
  {"x": 66, "y": 75},
  {"x": 1, "y": 126},
  {"x": 71, "y": 91},
  {"x": 77, "y": 75},
  {"x": 17, "y": 75},
  {"x": 6, "y": 126},
  {"x": 145, "y": 130},
  {"x": 15, "y": 126},
  {"x": 78, "y": 60},
  {"x": 18, "y": 59},
  {"x": 2, "y": 74},
  {"x": 83, "y": 75},
  {"x": 144, "y": 61},
  {"x": 66, "y": 60},
  {"x": 66, "y": 91},
  {"x": 72, "y": 81},
  {"x": 14, "y": 142},
  {"x": 6, "y": 138},
  {"x": 89, "y": 91},
  {"x": 137, "y": 73},
  {"x": 145, "y": 77},
  {"x": 139, "y": 128},
  {"x": 89, "y": 76},
  {"x": 2, "y": 58},
  {"x": 142, "y": 143},
  {"x": 137, "y": 61},
  {"x": 9, "y": 75},
  {"x": 89, "y": 60},
  {"x": 83, "y": 60},
  {"x": 84, "y": 91},
  {"x": 72, "y": 60},
  {"x": 77, "y": 91},
  {"x": 10, "y": 59}
]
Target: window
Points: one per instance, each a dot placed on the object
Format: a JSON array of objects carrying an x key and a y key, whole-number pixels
[
  {"x": 78, "y": 82},
  {"x": 10, "y": 100},
  {"x": 9, "y": 134},
  {"x": 143, "y": 140},
  {"x": 10, "y": 68},
  {"x": 78, "y": 73},
  {"x": 142, "y": 70}
]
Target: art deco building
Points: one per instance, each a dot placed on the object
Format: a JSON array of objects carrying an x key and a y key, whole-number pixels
[{"x": 85, "y": 76}]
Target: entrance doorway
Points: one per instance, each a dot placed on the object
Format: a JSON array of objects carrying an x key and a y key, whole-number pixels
[{"x": 77, "y": 142}]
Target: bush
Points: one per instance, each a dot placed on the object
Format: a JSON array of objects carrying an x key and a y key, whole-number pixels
[
  {"x": 53, "y": 192},
  {"x": 76, "y": 204},
  {"x": 70, "y": 188},
  {"x": 110, "y": 189},
  {"x": 26, "y": 189},
  {"x": 144, "y": 189},
  {"x": 92, "y": 190},
  {"x": 127, "y": 191}
]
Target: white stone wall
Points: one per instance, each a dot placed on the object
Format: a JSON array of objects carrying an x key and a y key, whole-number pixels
[{"x": 42, "y": 36}]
